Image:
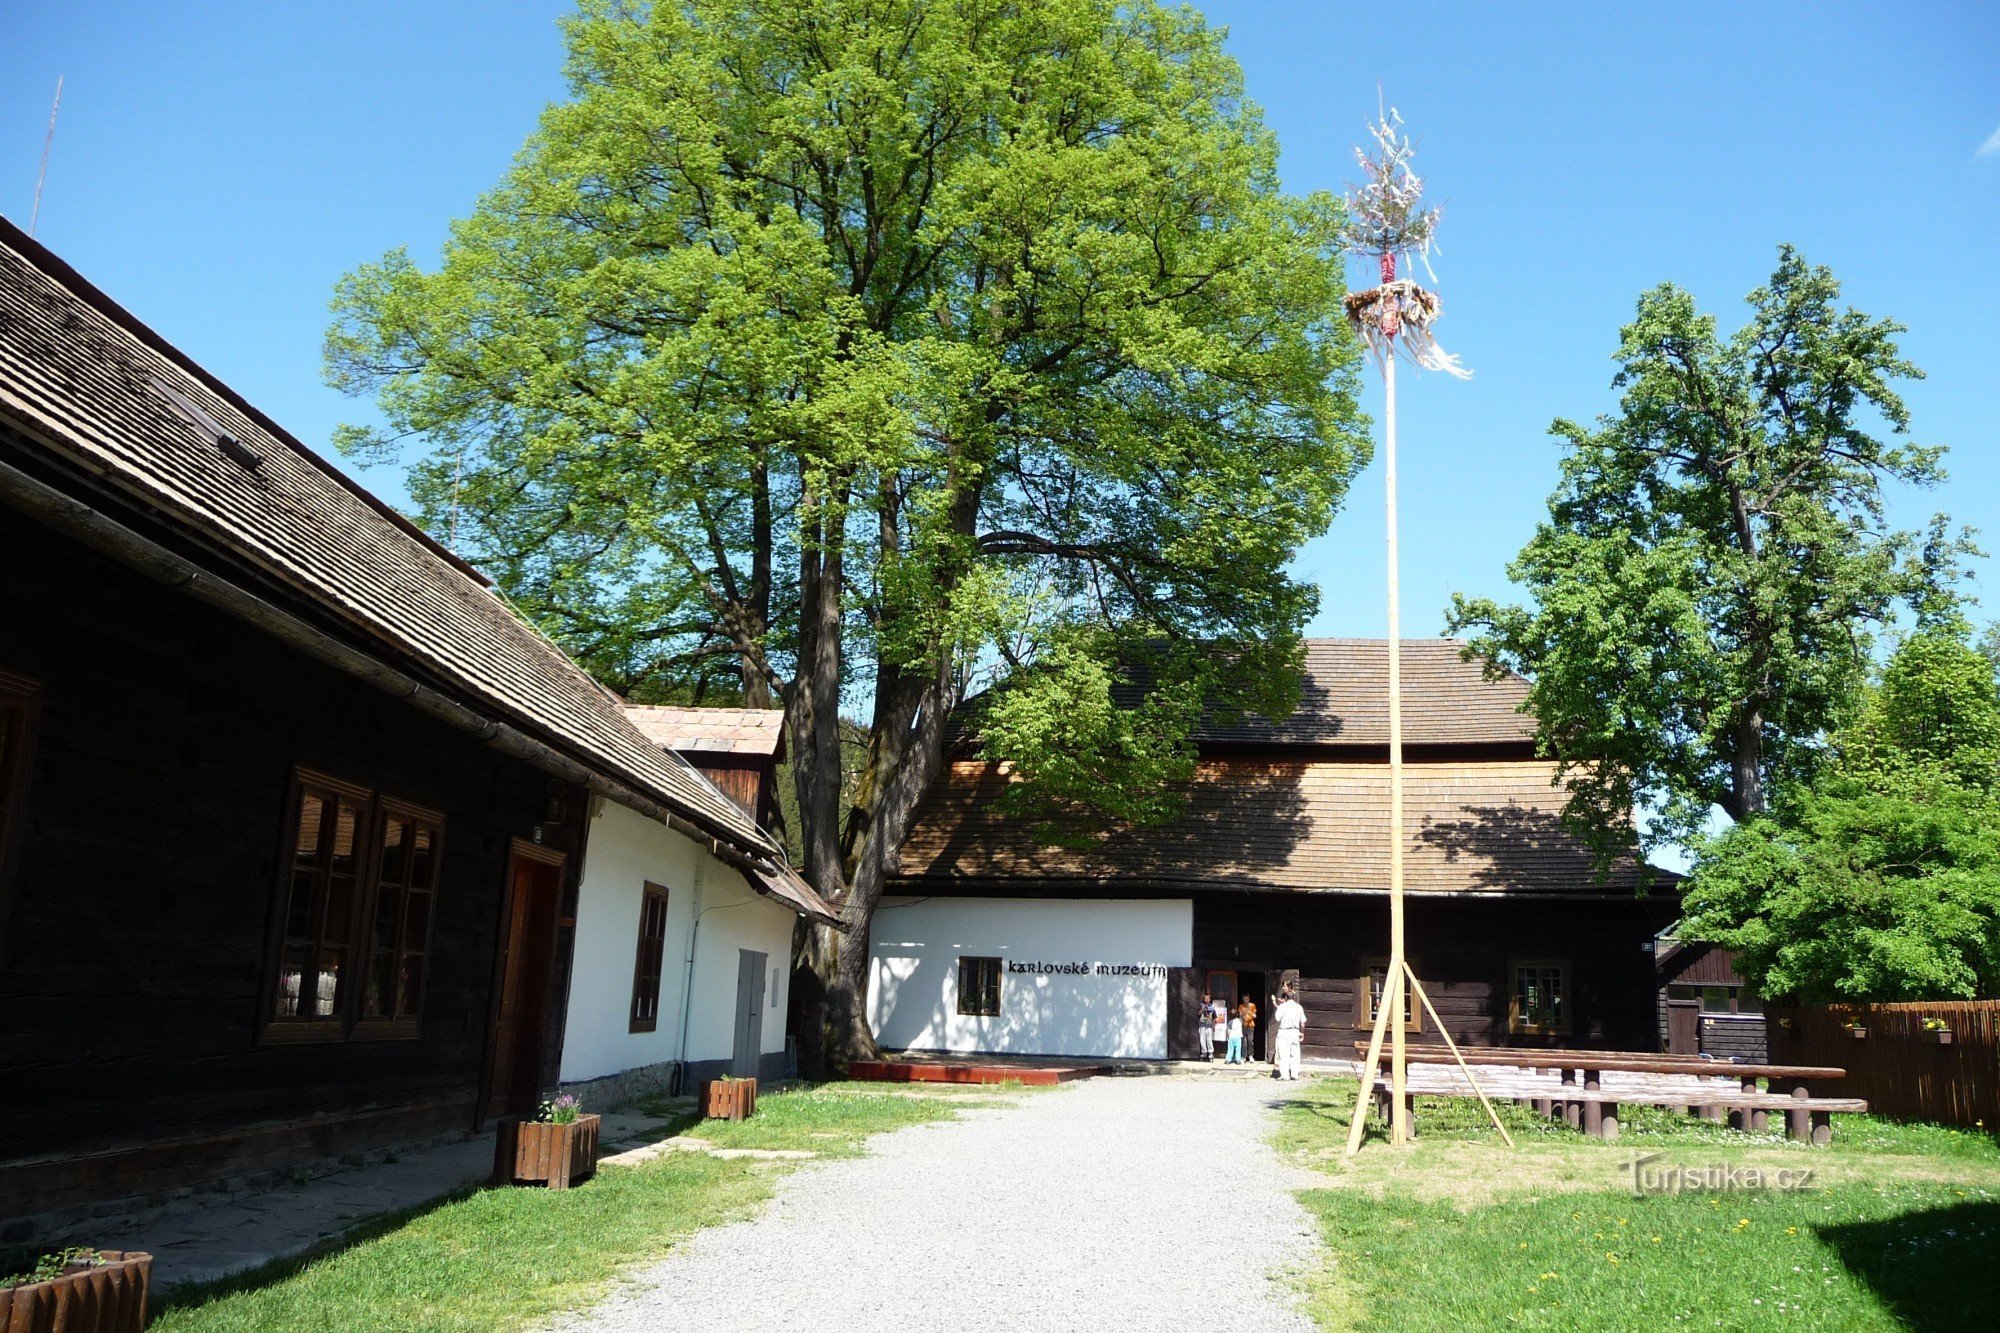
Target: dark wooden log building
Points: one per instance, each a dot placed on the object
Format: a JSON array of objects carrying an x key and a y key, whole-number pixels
[
  {"x": 291, "y": 804},
  {"x": 1283, "y": 852},
  {"x": 1706, "y": 1007}
]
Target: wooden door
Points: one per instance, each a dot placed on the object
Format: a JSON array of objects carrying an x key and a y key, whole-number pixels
[
  {"x": 524, "y": 981},
  {"x": 1683, "y": 1027},
  {"x": 749, "y": 1013},
  {"x": 1184, "y": 1013}
]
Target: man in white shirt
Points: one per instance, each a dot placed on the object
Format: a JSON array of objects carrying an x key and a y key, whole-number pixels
[{"x": 1290, "y": 1020}]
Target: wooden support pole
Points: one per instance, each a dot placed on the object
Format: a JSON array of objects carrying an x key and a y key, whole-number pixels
[
  {"x": 1360, "y": 1124},
  {"x": 1452, "y": 1046}
]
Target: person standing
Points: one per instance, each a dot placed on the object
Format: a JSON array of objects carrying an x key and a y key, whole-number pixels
[
  {"x": 1204, "y": 1022},
  {"x": 1235, "y": 1055},
  {"x": 1248, "y": 1009},
  {"x": 1290, "y": 1019}
]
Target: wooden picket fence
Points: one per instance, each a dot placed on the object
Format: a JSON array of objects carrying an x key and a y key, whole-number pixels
[{"x": 1899, "y": 1067}]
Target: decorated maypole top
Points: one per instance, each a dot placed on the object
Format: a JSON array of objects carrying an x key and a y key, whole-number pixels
[{"x": 1386, "y": 218}]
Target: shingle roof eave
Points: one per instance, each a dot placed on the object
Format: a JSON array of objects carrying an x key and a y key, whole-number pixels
[{"x": 75, "y": 370}]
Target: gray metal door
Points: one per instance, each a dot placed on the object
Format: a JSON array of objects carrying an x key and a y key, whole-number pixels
[{"x": 749, "y": 1013}]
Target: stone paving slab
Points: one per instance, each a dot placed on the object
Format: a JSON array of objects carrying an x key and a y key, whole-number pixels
[{"x": 201, "y": 1239}]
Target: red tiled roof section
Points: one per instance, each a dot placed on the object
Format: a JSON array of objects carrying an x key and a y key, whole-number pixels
[
  {"x": 745, "y": 731},
  {"x": 1310, "y": 825},
  {"x": 85, "y": 378},
  {"x": 1345, "y": 699}
]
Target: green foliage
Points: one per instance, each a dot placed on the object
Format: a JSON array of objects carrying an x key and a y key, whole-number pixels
[
  {"x": 966, "y": 334},
  {"x": 52, "y": 1265},
  {"x": 1716, "y": 559},
  {"x": 1880, "y": 880}
]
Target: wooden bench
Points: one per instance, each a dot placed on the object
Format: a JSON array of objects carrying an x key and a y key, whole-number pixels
[{"x": 1586, "y": 1088}]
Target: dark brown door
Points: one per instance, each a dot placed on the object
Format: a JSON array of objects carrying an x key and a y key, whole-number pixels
[
  {"x": 1683, "y": 1027},
  {"x": 1183, "y": 1013},
  {"x": 524, "y": 968}
]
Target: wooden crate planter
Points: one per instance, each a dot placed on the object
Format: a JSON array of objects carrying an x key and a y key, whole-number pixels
[
  {"x": 729, "y": 1098},
  {"x": 107, "y": 1298},
  {"x": 534, "y": 1152}
]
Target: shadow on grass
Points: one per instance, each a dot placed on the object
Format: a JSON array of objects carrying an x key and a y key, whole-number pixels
[
  {"x": 186, "y": 1295},
  {"x": 1933, "y": 1269}
]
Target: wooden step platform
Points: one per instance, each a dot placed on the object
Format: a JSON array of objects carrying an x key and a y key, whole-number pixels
[{"x": 970, "y": 1071}]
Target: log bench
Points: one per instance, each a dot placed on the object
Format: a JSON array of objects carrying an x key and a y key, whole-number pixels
[{"x": 1586, "y": 1088}]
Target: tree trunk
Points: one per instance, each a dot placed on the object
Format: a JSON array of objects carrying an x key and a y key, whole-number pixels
[
  {"x": 915, "y": 768},
  {"x": 1747, "y": 768}
]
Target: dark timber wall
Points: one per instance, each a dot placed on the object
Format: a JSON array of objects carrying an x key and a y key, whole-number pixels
[
  {"x": 144, "y": 877},
  {"x": 1461, "y": 949}
]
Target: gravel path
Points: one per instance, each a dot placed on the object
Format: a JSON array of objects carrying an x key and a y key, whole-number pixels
[{"x": 1115, "y": 1202}]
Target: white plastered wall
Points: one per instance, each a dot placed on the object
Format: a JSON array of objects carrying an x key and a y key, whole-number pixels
[
  {"x": 915, "y": 945},
  {"x": 625, "y": 852}
]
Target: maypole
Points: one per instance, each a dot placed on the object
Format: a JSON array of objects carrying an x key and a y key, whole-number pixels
[{"x": 1386, "y": 219}]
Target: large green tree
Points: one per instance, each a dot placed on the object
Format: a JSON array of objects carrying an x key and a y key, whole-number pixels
[
  {"x": 1716, "y": 559},
  {"x": 842, "y": 353},
  {"x": 1880, "y": 879}
]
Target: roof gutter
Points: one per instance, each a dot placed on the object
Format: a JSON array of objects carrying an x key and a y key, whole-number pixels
[{"x": 104, "y": 534}]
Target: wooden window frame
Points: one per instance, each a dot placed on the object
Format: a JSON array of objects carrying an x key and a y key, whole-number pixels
[
  {"x": 649, "y": 972},
  {"x": 396, "y": 1026},
  {"x": 1364, "y": 997},
  {"x": 998, "y": 971},
  {"x": 348, "y": 1022},
  {"x": 20, "y": 715},
  {"x": 1565, "y": 994}
]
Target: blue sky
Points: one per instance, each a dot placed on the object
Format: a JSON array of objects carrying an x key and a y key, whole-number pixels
[{"x": 217, "y": 172}]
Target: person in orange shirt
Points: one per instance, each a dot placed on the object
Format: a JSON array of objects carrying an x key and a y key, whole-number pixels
[{"x": 1247, "y": 1011}]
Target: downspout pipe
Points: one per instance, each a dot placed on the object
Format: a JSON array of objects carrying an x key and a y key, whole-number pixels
[{"x": 42, "y": 501}]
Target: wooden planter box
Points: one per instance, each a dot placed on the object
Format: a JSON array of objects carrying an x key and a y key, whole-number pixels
[
  {"x": 1938, "y": 1036},
  {"x": 110, "y": 1298},
  {"x": 729, "y": 1099},
  {"x": 1859, "y": 1034},
  {"x": 531, "y": 1152}
]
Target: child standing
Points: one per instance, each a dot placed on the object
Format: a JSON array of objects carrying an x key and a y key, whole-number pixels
[{"x": 1235, "y": 1055}]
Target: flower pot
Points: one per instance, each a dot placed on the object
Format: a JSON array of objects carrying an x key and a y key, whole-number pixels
[
  {"x": 108, "y": 1297},
  {"x": 729, "y": 1098},
  {"x": 534, "y": 1152},
  {"x": 1938, "y": 1036},
  {"x": 1858, "y": 1033}
]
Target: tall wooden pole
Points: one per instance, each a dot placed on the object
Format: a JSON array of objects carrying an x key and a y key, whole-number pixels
[{"x": 1399, "y": 1110}]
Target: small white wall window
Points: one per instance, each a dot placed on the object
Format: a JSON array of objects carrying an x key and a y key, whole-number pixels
[{"x": 978, "y": 986}]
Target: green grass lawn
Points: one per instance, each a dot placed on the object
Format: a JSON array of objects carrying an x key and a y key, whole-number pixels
[
  {"x": 1897, "y": 1226},
  {"x": 505, "y": 1258}
]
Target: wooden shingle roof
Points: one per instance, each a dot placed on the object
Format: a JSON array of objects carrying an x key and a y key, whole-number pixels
[
  {"x": 1310, "y": 825},
  {"x": 1345, "y": 700},
  {"x": 103, "y": 393},
  {"x": 757, "y": 732}
]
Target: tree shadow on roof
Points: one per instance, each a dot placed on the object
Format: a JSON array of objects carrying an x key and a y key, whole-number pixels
[
  {"x": 1232, "y": 827},
  {"x": 1517, "y": 847}
]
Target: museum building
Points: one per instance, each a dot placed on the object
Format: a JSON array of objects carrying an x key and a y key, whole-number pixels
[{"x": 998, "y": 940}]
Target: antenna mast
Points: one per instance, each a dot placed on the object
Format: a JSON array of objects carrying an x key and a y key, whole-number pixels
[{"x": 42, "y": 175}]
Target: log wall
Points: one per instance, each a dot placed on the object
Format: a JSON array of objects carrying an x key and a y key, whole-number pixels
[
  {"x": 1461, "y": 949},
  {"x": 145, "y": 872}
]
